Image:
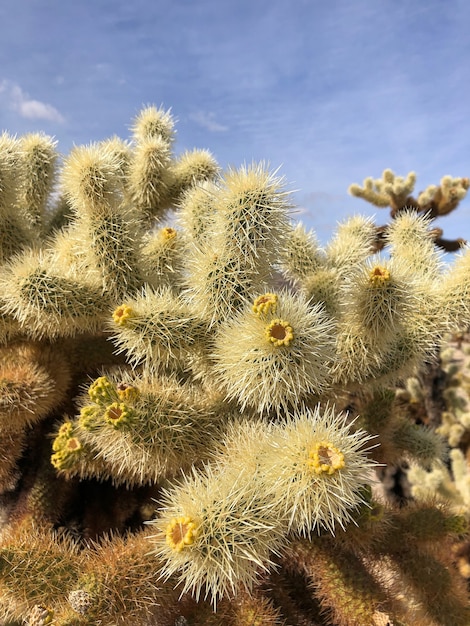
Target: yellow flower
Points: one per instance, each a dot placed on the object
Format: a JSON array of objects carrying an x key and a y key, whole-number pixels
[
  {"x": 122, "y": 314},
  {"x": 88, "y": 417},
  {"x": 279, "y": 332},
  {"x": 379, "y": 276},
  {"x": 180, "y": 532},
  {"x": 66, "y": 447},
  {"x": 102, "y": 390},
  {"x": 265, "y": 303},
  {"x": 127, "y": 392},
  {"x": 167, "y": 233},
  {"x": 325, "y": 458},
  {"x": 118, "y": 415}
]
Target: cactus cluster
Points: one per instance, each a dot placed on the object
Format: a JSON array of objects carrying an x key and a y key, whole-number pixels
[
  {"x": 394, "y": 192},
  {"x": 199, "y": 402}
]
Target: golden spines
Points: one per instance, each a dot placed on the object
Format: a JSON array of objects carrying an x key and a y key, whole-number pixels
[
  {"x": 92, "y": 179},
  {"x": 152, "y": 122},
  {"x": 38, "y": 160},
  {"x": 234, "y": 259},
  {"x": 16, "y": 230},
  {"x": 49, "y": 300},
  {"x": 27, "y": 552},
  {"x": 344, "y": 586},
  {"x": 302, "y": 254},
  {"x": 157, "y": 328},
  {"x": 235, "y": 533},
  {"x": 162, "y": 257}
]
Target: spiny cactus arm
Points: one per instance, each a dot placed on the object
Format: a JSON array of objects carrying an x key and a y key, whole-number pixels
[
  {"x": 252, "y": 213},
  {"x": 108, "y": 231},
  {"x": 341, "y": 582},
  {"x": 12, "y": 446},
  {"x": 120, "y": 584},
  {"x": 34, "y": 379},
  {"x": 411, "y": 237},
  {"x": 16, "y": 232},
  {"x": 220, "y": 282},
  {"x": 234, "y": 261},
  {"x": 428, "y": 523},
  {"x": 350, "y": 246},
  {"x": 162, "y": 258},
  {"x": 443, "y": 199},
  {"x": 390, "y": 190},
  {"x": 352, "y": 243},
  {"x": 454, "y": 295},
  {"x": 38, "y": 162},
  {"x": 37, "y": 567},
  {"x": 216, "y": 532},
  {"x": 192, "y": 168},
  {"x": 323, "y": 287},
  {"x": 302, "y": 255},
  {"x": 328, "y": 461},
  {"x": 146, "y": 185},
  {"x": 380, "y": 297},
  {"x": 47, "y": 302},
  {"x": 157, "y": 328},
  {"x": 196, "y": 210},
  {"x": 146, "y": 430},
  {"x": 59, "y": 216},
  {"x": 153, "y": 122},
  {"x": 435, "y": 590}
]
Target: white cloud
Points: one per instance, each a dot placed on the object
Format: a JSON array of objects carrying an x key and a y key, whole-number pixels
[
  {"x": 207, "y": 120},
  {"x": 25, "y": 106}
]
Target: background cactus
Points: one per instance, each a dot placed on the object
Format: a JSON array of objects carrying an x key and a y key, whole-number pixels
[{"x": 201, "y": 408}]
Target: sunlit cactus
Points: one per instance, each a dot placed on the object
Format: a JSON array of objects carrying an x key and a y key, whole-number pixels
[{"x": 201, "y": 407}]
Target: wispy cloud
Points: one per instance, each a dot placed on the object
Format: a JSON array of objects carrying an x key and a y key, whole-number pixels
[
  {"x": 20, "y": 102},
  {"x": 207, "y": 120}
]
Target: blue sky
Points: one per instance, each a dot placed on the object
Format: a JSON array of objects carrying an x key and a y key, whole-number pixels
[{"x": 329, "y": 91}]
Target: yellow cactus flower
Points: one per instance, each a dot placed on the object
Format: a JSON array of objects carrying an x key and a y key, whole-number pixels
[
  {"x": 168, "y": 233},
  {"x": 127, "y": 392},
  {"x": 279, "y": 333},
  {"x": 122, "y": 314},
  {"x": 265, "y": 304},
  {"x": 88, "y": 416},
  {"x": 102, "y": 390},
  {"x": 379, "y": 276},
  {"x": 180, "y": 532},
  {"x": 66, "y": 447},
  {"x": 325, "y": 458},
  {"x": 118, "y": 415}
]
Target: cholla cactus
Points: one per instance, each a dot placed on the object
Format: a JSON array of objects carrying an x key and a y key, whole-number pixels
[
  {"x": 395, "y": 192},
  {"x": 197, "y": 399}
]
